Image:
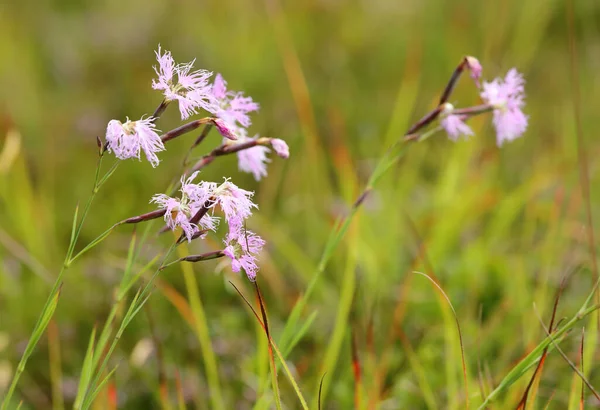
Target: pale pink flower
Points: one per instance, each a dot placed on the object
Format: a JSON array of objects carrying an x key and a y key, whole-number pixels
[
  {"x": 231, "y": 106},
  {"x": 180, "y": 211},
  {"x": 507, "y": 98},
  {"x": 177, "y": 214},
  {"x": 197, "y": 194},
  {"x": 128, "y": 139},
  {"x": 241, "y": 248},
  {"x": 281, "y": 147},
  {"x": 251, "y": 160},
  {"x": 254, "y": 161},
  {"x": 236, "y": 203},
  {"x": 191, "y": 88},
  {"x": 454, "y": 125}
]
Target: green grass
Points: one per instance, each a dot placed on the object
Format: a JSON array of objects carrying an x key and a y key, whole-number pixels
[{"x": 496, "y": 229}]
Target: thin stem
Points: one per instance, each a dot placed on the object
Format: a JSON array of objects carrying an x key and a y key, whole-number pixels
[
  {"x": 160, "y": 109},
  {"x": 196, "y": 258},
  {"x": 475, "y": 110},
  {"x": 453, "y": 81},
  {"x": 185, "y": 128},
  {"x": 52, "y": 301}
]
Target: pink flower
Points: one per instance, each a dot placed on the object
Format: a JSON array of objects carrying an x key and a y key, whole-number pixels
[
  {"x": 254, "y": 161},
  {"x": 241, "y": 248},
  {"x": 193, "y": 198},
  {"x": 251, "y": 160},
  {"x": 178, "y": 214},
  {"x": 507, "y": 98},
  {"x": 231, "y": 106},
  {"x": 281, "y": 148},
  {"x": 454, "y": 124},
  {"x": 191, "y": 89},
  {"x": 235, "y": 202},
  {"x": 127, "y": 140}
]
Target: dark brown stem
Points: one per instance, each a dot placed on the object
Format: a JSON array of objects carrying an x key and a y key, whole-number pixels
[
  {"x": 203, "y": 257},
  {"x": 160, "y": 109},
  {"x": 453, "y": 80},
  {"x": 190, "y": 126},
  {"x": 145, "y": 217},
  {"x": 197, "y": 258},
  {"x": 426, "y": 120},
  {"x": 227, "y": 149}
]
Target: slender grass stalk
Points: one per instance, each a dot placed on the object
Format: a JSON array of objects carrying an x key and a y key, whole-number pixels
[
  {"x": 276, "y": 349},
  {"x": 532, "y": 358},
  {"x": 55, "y": 366},
  {"x": 52, "y": 301},
  {"x": 202, "y": 332},
  {"x": 340, "y": 330}
]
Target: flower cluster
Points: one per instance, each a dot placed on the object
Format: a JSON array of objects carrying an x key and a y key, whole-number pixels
[
  {"x": 199, "y": 201},
  {"x": 504, "y": 97},
  {"x": 193, "y": 92},
  {"x": 196, "y": 211},
  {"x": 233, "y": 108}
]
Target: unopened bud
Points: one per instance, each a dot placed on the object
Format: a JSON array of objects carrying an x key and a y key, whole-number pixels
[
  {"x": 224, "y": 129},
  {"x": 281, "y": 147},
  {"x": 474, "y": 67}
]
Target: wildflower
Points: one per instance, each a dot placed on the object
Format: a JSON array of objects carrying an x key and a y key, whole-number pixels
[
  {"x": 231, "y": 106},
  {"x": 454, "y": 124},
  {"x": 177, "y": 214},
  {"x": 254, "y": 161},
  {"x": 235, "y": 202},
  {"x": 191, "y": 89},
  {"x": 251, "y": 160},
  {"x": 179, "y": 211},
  {"x": 127, "y": 140},
  {"x": 241, "y": 248},
  {"x": 507, "y": 98},
  {"x": 281, "y": 147}
]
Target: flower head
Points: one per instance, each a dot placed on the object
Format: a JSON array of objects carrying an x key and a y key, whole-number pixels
[
  {"x": 231, "y": 107},
  {"x": 454, "y": 125},
  {"x": 128, "y": 139},
  {"x": 507, "y": 98},
  {"x": 241, "y": 248},
  {"x": 191, "y": 88},
  {"x": 177, "y": 214},
  {"x": 281, "y": 147},
  {"x": 235, "y": 202},
  {"x": 180, "y": 211},
  {"x": 254, "y": 161},
  {"x": 251, "y": 160}
]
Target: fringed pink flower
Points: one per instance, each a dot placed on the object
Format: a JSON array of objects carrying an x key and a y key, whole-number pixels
[
  {"x": 230, "y": 106},
  {"x": 177, "y": 214},
  {"x": 128, "y": 139},
  {"x": 179, "y": 82},
  {"x": 507, "y": 97},
  {"x": 454, "y": 125},
  {"x": 242, "y": 246}
]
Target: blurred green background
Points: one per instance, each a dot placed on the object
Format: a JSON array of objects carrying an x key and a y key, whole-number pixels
[{"x": 339, "y": 81}]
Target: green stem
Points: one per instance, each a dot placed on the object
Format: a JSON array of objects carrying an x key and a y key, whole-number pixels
[
  {"x": 535, "y": 354},
  {"x": 52, "y": 301}
]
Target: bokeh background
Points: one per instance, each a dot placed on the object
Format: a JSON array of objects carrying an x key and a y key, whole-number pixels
[{"x": 339, "y": 81}]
